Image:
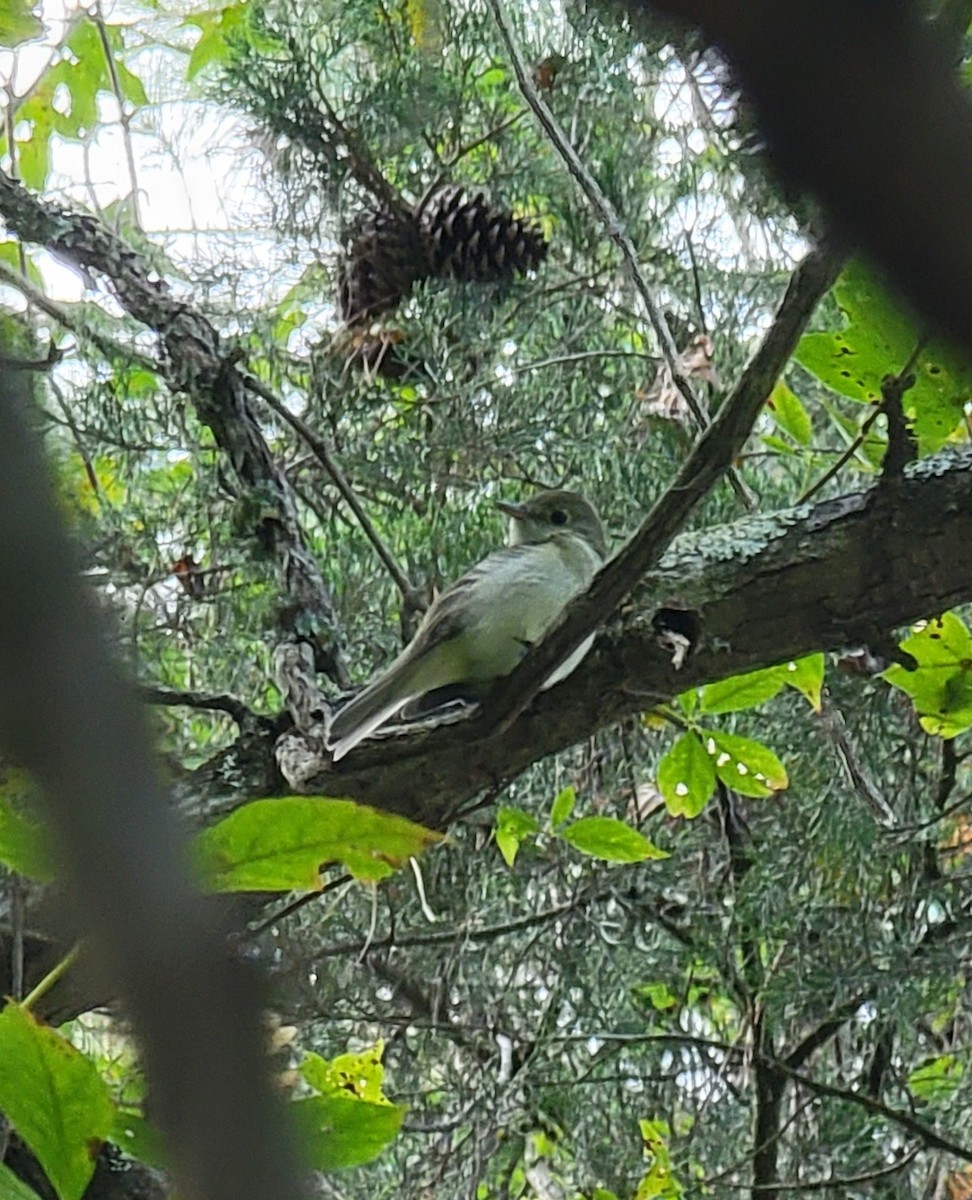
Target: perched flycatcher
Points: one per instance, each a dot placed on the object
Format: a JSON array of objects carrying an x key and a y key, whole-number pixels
[{"x": 481, "y": 626}]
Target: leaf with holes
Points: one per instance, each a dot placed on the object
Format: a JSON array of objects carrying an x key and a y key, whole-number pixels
[
  {"x": 686, "y": 776},
  {"x": 877, "y": 340},
  {"x": 941, "y": 686},
  {"x": 747, "y": 767}
]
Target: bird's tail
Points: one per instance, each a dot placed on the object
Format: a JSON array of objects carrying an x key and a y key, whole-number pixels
[{"x": 372, "y": 706}]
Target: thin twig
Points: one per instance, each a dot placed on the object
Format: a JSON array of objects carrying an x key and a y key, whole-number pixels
[
  {"x": 124, "y": 119},
  {"x": 611, "y": 221},
  {"x": 323, "y": 453},
  {"x": 214, "y": 701},
  {"x": 111, "y": 349}
]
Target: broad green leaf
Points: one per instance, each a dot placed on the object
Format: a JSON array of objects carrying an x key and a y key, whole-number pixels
[
  {"x": 686, "y": 776},
  {"x": 25, "y": 847},
  {"x": 610, "y": 839},
  {"x": 878, "y": 340},
  {"x": 941, "y": 686},
  {"x": 340, "y": 1131},
  {"x": 279, "y": 845},
  {"x": 12, "y": 1187},
  {"x": 746, "y": 766},
  {"x": 788, "y": 412},
  {"x": 513, "y": 825},
  {"x": 806, "y": 675},
  {"x": 937, "y": 1079},
  {"x": 54, "y": 1098},
  {"x": 18, "y": 22},
  {"x": 743, "y": 691},
  {"x": 563, "y": 806},
  {"x": 780, "y": 445}
]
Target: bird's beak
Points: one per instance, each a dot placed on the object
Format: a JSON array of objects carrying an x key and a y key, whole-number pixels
[{"x": 516, "y": 511}]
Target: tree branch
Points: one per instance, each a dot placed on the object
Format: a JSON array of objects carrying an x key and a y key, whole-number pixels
[
  {"x": 761, "y": 591},
  {"x": 194, "y": 361}
]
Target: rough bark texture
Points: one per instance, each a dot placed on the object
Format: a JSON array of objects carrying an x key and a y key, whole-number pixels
[{"x": 760, "y": 591}]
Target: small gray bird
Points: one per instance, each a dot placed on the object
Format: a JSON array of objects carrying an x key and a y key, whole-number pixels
[{"x": 481, "y": 626}]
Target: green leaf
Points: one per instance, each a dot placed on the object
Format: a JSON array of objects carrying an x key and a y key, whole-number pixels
[
  {"x": 686, "y": 776},
  {"x": 513, "y": 825},
  {"x": 219, "y": 27},
  {"x": 563, "y": 806},
  {"x": 789, "y": 414},
  {"x": 339, "y": 1131},
  {"x": 138, "y": 1138},
  {"x": 351, "y": 1121},
  {"x": 359, "y": 1075},
  {"x": 279, "y": 845},
  {"x": 806, "y": 675},
  {"x": 941, "y": 686},
  {"x": 54, "y": 1098},
  {"x": 743, "y": 691},
  {"x": 878, "y": 340},
  {"x": 937, "y": 1079},
  {"x": 658, "y": 995},
  {"x": 747, "y": 767},
  {"x": 24, "y": 846},
  {"x": 18, "y": 22},
  {"x": 12, "y": 1187},
  {"x": 610, "y": 839},
  {"x": 659, "y": 1182}
]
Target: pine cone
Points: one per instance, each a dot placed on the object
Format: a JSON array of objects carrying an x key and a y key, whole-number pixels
[
  {"x": 385, "y": 254},
  {"x": 472, "y": 241}
]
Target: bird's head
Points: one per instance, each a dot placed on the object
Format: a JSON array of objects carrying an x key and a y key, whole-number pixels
[{"x": 548, "y": 513}]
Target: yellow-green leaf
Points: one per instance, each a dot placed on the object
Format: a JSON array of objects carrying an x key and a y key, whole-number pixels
[
  {"x": 746, "y": 766},
  {"x": 743, "y": 691},
  {"x": 806, "y": 675},
  {"x": 280, "y": 844},
  {"x": 610, "y": 839},
  {"x": 513, "y": 826},
  {"x": 563, "y": 806},
  {"x": 789, "y": 414}
]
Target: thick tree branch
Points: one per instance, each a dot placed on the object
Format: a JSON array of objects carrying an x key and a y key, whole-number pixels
[
  {"x": 760, "y": 591},
  {"x": 194, "y": 361}
]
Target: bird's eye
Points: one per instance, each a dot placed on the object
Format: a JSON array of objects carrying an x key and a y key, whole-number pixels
[{"x": 558, "y": 517}]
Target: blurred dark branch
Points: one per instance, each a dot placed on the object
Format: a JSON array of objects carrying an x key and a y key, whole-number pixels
[
  {"x": 877, "y": 128},
  {"x": 930, "y": 1137},
  {"x": 68, "y": 716},
  {"x": 194, "y": 361}
]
